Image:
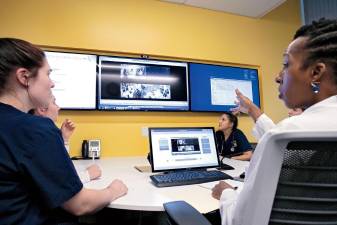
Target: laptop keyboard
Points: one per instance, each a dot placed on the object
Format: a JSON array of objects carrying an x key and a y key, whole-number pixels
[{"x": 187, "y": 177}]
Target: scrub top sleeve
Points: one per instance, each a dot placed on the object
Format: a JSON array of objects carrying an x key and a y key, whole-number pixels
[
  {"x": 243, "y": 141},
  {"x": 47, "y": 163}
]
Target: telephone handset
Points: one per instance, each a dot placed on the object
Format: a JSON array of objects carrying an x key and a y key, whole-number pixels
[{"x": 85, "y": 149}]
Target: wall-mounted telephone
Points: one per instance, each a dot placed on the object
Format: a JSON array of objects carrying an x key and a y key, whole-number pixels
[{"x": 91, "y": 148}]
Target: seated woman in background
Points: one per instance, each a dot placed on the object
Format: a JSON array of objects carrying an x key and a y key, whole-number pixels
[
  {"x": 231, "y": 142},
  {"x": 67, "y": 128}
]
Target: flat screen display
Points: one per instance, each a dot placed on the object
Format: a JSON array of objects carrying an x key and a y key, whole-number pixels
[
  {"x": 182, "y": 148},
  {"x": 74, "y": 76},
  {"x": 141, "y": 84},
  {"x": 212, "y": 87}
]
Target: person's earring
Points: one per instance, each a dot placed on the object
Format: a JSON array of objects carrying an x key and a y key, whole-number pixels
[{"x": 315, "y": 87}]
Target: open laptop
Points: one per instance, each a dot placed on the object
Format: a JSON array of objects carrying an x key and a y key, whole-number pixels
[
  {"x": 182, "y": 148},
  {"x": 178, "y": 148}
]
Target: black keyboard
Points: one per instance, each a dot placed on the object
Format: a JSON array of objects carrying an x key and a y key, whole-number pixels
[{"x": 187, "y": 177}]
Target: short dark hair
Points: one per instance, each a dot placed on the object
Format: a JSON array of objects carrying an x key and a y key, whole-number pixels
[
  {"x": 31, "y": 111},
  {"x": 16, "y": 53},
  {"x": 233, "y": 119},
  {"x": 322, "y": 43}
]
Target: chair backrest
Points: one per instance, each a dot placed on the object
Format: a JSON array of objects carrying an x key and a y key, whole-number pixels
[
  {"x": 296, "y": 182},
  {"x": 307, "y": 188}
]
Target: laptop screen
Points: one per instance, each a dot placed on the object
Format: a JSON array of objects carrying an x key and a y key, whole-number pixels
[{"x": 181, "y": 148}]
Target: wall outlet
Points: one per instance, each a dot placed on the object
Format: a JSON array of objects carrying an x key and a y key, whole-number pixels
[{"x": 145, "y": 131}]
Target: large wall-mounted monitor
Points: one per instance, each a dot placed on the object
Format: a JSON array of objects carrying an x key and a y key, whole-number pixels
[
  {"x": 142, "y": 84},
  {"x": 212, "y": 87},
  {"x": 74, "y": 76}
]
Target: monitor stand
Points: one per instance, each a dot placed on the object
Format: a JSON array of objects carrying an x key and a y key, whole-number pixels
[{"x": 224, "y": 166}]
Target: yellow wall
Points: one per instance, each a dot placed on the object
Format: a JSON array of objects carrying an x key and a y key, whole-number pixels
[{"x": 159, "y": 29}]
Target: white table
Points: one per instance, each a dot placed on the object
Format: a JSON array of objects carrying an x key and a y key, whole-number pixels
[{"x": 142, "y": 194}]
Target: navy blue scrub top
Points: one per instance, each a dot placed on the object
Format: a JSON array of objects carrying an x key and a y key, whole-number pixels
[
  {"x": 36, "y": 173},
  {"x": 235, "y": 144}
]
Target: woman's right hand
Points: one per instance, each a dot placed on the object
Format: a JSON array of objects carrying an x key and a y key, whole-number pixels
[
  {"x": 218, "y": 189},
  {"x": 242, "y": 104},
  {"x": 67, "y": 129},
  {"x": 117, "y": 189},
  {"x": 245, "y": 105}
]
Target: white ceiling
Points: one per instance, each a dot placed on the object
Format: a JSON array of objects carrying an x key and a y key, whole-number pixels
[{"x": 250, "y": 8}]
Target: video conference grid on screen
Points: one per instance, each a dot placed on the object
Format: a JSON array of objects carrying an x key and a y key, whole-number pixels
[
  {"x": 178, "y": 148},
  {"x": 138, "y": 84},
  {"x": 74, "y": 76},
  {"x": 212, "y": 87}
]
